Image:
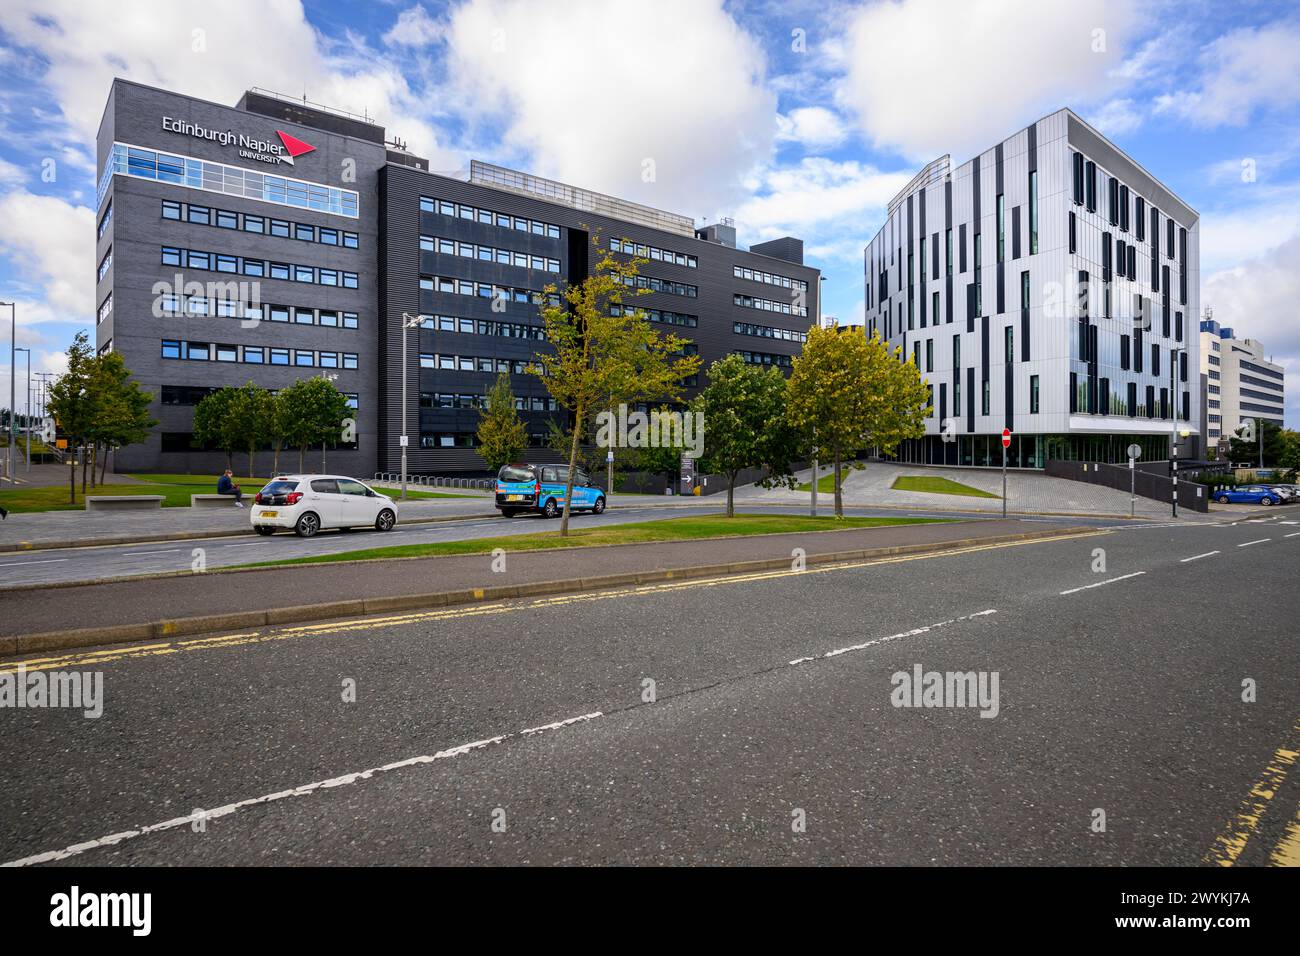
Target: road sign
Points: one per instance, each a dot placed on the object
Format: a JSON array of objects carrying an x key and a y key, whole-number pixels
[
  {"x": 403, "y": 441},
  {"x": 1006, "y": 438},
  {"x": 609, "y": 455},
  {"x": 1135, "y": 450}
]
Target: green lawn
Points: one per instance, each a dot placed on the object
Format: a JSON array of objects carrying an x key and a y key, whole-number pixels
[
  {"x": 825, "y": 485},
  {"x": 175, "y": 489},
  {"x": 670, "y": 529},
  {"x": 938, "y": 486}
]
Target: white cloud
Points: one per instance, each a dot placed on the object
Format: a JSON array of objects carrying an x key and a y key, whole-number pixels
[
  {"x": 414, "y": 27},
  {"x": 1241, "y": 71},
  {"x": 663, "y": 104},
  {"x": 208, "y": 52},
  {"x": 817, "y": 197},
  {"x": 814, "y": 127},
  {"x": 1258, "y": 299},
  {"x": 1116, "y": 117},
  {"x": 1250, "y": 227},
  {"x": 11, "y": 175},
  {"x": 52, "y": 243},
  {"x": 927, "y": 77}
]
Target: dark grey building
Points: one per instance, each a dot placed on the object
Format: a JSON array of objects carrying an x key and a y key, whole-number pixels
[{"x": 272, "y": 241}]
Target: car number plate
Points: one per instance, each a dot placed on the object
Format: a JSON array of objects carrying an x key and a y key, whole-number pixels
[
  {"x": 268, "y": 514},
  {"x": 514, "y": 497}
]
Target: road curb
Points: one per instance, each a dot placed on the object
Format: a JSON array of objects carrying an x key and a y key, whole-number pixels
[
  {"x": 188, "y": 536},
  {"x": 201, "y": 624}
]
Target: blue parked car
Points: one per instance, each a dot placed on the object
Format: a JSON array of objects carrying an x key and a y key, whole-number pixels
[
  {"x": 540, "y": 488},
  {"x": 1248, "y": 495}
]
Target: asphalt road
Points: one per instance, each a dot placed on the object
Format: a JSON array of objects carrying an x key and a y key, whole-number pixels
[
  {"x": 18, "y": 569},
  {"x": 523, "y": 733}
]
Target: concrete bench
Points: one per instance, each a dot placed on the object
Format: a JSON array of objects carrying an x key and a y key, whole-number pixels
[
  {"x": 212, "y": 501},
  {"x": 123, "y": 502}
]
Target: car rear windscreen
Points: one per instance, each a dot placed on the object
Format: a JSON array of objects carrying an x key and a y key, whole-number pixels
[
  {"x": 516, "y": 473},
  {"x": 280, "y": 487}
]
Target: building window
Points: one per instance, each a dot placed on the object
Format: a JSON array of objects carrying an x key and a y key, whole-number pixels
[
  {"x": 1002, "y": 228},
  {"x": 1033, "y": 394},
  {"x": 1009, "y": 340},
  {"x": 1033, "y": 212}
]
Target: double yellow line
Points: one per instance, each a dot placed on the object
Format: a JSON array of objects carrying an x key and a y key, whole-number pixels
[
  {"x": 87, "y": 659},
  {"x": 1231, "y": 842}
]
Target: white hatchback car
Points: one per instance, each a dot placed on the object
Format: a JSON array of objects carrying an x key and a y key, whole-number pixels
[{"x": 307, "y": 503}]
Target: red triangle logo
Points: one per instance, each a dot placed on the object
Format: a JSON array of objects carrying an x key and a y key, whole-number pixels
[{"x": 295, "y": 146}]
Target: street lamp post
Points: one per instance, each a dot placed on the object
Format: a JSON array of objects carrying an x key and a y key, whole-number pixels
[
  {"x": 27, "y": 407},
  {"x": 329, "y": 378},
  {"x": 13, "y": 376},
  {"x": 1173, "y": 417},
  {"x": 408, "y": 322}
]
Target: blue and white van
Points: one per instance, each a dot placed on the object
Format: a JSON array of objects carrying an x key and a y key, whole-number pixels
[{"x": 524, "y": 487}]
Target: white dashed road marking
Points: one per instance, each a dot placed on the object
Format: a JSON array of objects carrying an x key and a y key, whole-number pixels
[
  {"x": 1197, "y": 557},
  {"x": 1123, "y": 577},
  {"x": 1257, "y": 541}
]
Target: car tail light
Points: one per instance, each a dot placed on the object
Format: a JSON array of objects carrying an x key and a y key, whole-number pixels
[
  {"x": 537, "y": 488},
  {"x": 293, "y": 498},
  {"x": 257, "y": 498}
]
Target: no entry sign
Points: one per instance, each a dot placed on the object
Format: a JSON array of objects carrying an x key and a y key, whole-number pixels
[{"x": 1006, "y": 438}]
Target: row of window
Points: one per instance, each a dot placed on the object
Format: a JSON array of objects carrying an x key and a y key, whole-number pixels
[
  {"x": 486, "y": 290},
  {"x": 656, "y": 284},
  {"x": 643, "y": 251},
  {"x": 505, "y": 257},
  {"x": 193, "y": 394},
  {"x": 766, "y": 358},
  {"x": 471, "y": 363},
  {"x": 488, "y": 217},
  {"x": 242, "y": 265},
  {"x": 771, "y": 278},
  {"x": 261, "y": 225},
  {"x": 106, "y": 220},
  {"x": 509, "y": 330},
  {"x": 523, "y": 403},
  {"x": 170, "y": 304},
  {"x": 767, "y": 305},
  {"x": 256, "y": 355},
  {"x": 662, "y": 316},
  {"x": 105, "y": 308},
  {"x": 220, "y": 178},
  {"x": 105, "y": 264},
  {"x": 768, "y": 332}
]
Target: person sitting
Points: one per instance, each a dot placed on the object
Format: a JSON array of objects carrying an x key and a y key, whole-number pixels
[{"x": 226, "y": 486}]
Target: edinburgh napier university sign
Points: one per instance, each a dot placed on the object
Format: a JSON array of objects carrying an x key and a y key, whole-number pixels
[{"x": 259, "y": 150}]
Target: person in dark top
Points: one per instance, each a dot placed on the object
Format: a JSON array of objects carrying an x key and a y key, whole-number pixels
[
  {"x": 226, "y": 486},
  {"x": 4, "y": 512}
]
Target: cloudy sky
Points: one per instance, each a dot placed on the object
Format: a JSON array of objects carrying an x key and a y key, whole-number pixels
[{"x": 792, "y": 117}]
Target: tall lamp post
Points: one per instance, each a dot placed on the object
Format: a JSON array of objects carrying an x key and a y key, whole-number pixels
[
  {"x": 408, "y": 322},
  {"x": 27, "y": 407},
  {"x": 13, "y": 376},
  {"x": 1173, "y": 417}
]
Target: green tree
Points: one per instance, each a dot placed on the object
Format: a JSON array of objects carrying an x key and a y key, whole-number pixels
[
  {"x": 253, "y": 411},
  {"x": 71, "y": 402},
  {"x": 121, "y": 408},
  {"x": 851, "y": 393},
  {"x": 745, "y": 422},
  {"x": 600, "y": 348},
  {"x": 1244, "y": 442},
  {"x": 312, "y": 412},
  {"x": 502, "y": 436},
  {"x": 216, "y": 422},
  {"x": 1290, "y": 456}
]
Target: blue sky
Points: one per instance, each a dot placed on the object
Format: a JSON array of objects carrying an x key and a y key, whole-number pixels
[{"x": 792, "y": 117}]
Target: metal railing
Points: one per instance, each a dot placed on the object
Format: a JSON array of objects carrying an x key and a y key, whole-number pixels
[{"x": 434, "y": 481}]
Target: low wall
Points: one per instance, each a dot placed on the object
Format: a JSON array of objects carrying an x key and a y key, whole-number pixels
[{"x": 1151, "y": 481}]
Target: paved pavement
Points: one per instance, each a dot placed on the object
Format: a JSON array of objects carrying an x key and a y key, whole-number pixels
[
  {"x": 531, "y": 732},
  {"x": 1027, "y": 492},
  {"x": 33, "y": 610}
]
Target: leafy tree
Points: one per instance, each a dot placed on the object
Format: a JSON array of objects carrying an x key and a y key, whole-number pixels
[
  {"x": 216, "y": 422},
  {"x": 121, "y": 407},
  {"x": 745, "y": 422},
  {"x": 253, "y": 411},
  {"x": 502, "y": 436},
  {"x": 311, "y": 413},
  {"x": 852, "y": 392},
  {"x": 596, "y": 354},
  {"x": 71, "y": 402},
  {"x": 1290, "y": 456},
  {"x": 1243, "y": 443}
]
